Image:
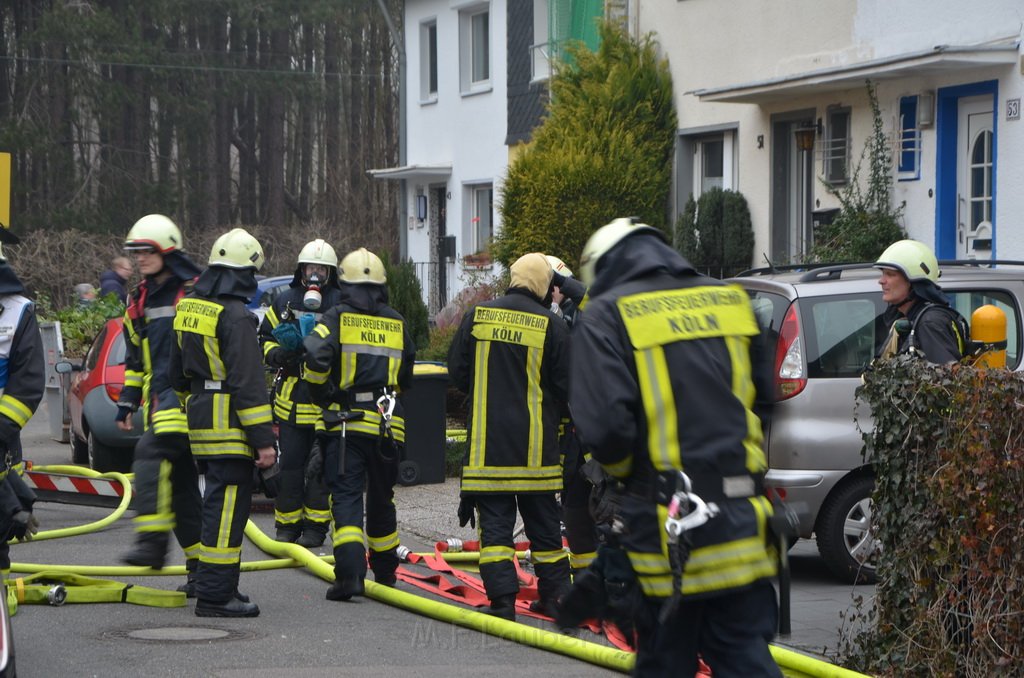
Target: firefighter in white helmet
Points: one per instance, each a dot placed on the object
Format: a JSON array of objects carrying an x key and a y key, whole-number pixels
[
  {"x": 358, "y": 357},
  {"x": 920, "y": 317},
  {"x": 166, "y": 483},
  {"x": 668, "y": 376},
  {"x": 216, "y": 366},
  {"x": 22, "y": 383},
  {"x": 301, "y": 511}
]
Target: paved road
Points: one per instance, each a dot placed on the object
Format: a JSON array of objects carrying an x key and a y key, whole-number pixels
[{"x": 299, "y": 633}]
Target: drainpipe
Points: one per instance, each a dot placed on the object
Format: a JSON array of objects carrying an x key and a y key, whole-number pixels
[{"x": 403, "y": 203}]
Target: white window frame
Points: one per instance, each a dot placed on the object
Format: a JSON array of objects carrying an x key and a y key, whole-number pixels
[
  {"x": 836, "y": 150},
  {"x": 727, "y": 139},
  {"x": 473, "y": 194},
  {"x": 428, "y": 59},
  {"x": 467, "y": 50}
]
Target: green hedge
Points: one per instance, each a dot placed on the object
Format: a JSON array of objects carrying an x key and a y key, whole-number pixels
[{"x": 948, "y": 450}]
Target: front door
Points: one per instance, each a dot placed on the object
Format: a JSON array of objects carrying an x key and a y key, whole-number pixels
[
  {"x": 975, "y": 169},
  {"x": 792, "y": 190}
]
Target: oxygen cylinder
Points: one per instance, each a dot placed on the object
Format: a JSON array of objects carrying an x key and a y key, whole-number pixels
[{"x": 988, "y": 326}]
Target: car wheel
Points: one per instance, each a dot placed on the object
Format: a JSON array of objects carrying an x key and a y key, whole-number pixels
[
  {"x": 846, "y": 540},
  {"x": 105, "y": 458},
  {"x": 79, "y": 450}
]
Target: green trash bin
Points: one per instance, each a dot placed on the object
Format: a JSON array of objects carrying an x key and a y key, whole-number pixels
[{"x": 423, "y": 461}]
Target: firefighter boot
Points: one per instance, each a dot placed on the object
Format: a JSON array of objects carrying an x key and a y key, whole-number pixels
[
  {"x": 150, "y": 550},
  {"x": 232, "y": 608},
  {"x": 288, "y": 534},
  {"x": 189, "y": 587},
  {"x": 344, "y": 588},
  {"x": 504, "y": 607},
  {"x": 313, "y": 535}
]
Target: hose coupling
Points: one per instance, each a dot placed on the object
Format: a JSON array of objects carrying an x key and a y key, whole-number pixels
[{"x": 57, "y": 595}]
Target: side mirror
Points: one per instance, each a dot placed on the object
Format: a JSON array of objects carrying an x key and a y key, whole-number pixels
[{"x": 65, "y": 367}]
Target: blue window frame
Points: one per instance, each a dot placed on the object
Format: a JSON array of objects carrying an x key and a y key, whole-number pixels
[{"x": 909, "y": 168}]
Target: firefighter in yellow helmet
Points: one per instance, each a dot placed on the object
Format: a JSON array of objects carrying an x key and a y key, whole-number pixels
[
  {"x": 511, "y": 357},
  {"x": 667, "y": 376},
  {"x": 920, "y": 317},
  {"x": 216, "y": 366},
  {"x": 166, "y": 483},
  {"x": 358, "y": 357},
  {"x": 22, "y": 383},
  {"x": 301, "y": 512}
]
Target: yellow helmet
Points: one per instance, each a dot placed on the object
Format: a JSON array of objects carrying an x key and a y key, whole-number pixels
[
  {"x": 912, "y": 258},
  {"x": 154, "y": 231},
  {"x": 318, "y": 251},
  {"x": 363, "y": 267},
  {"x": 605, "y": 238},
  {"x": 237, "y": 249},
  {"x": 558, "y": 266}
]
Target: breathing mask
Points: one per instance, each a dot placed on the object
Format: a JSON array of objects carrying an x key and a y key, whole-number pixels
[{"x": 312, "y": 298}]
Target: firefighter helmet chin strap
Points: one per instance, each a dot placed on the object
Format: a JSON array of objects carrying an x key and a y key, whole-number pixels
[
  {"x": 686, "y": 511},
  {"x": 312, "y": 298}
]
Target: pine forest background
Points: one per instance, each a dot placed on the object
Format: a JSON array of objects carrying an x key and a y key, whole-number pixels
[{"x": 215, "y": 112}]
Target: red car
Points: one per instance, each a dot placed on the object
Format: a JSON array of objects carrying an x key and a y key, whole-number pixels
[{"x": 92, "y": 402}]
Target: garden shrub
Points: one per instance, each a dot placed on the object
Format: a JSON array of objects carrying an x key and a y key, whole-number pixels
[
  {"x": 79, "y": 325},
  {"x": 715, "y": 233},
  {"x": 603, "y": 151},
  {"x": 406, "y": 296}
]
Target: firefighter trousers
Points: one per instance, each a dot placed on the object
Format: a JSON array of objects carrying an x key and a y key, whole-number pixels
[
  {"x": 580, "y": 532},
  {"x": 363, "y": 466},
  {"x": 540, "y": 518},
  {"x": 301, "y": 504},
  {"x": 730, "y": 631},
  {"x": 226, "y": 503},
  {"x": 167, "y": 490}
]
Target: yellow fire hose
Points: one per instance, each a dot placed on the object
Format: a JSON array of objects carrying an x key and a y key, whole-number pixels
[
  {"x": 292, "y": 555},
  {"x": 520, "y": 633}
]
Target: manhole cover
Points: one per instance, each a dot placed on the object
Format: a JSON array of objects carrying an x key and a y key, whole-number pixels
[{"x": 179, "y": 634}]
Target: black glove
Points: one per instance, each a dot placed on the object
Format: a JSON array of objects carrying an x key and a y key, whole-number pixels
[
  {"x": 269, "y": 480},
  {"x": 467, "y": 511},
  {"x": 557, "y": 279},
  {"x": 315, "y": 465},
  {"x": 24, "y": 526},
  {"x": 123, "y": 412}
]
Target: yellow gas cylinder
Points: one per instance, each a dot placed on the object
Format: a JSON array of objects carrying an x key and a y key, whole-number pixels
[{"x": 988, "y": 326}]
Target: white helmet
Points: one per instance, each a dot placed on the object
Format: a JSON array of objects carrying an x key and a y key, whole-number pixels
[
  {"x": 154, "y": 231},
  {"x": 237, "y": 249},
  {"x": 912, "y": 258},
  {"x": 320, "y": 252},
  {"x": 363, "y": 267},
  {"x": 558, "y": 266},
  {"x": 605, "y": 238}
]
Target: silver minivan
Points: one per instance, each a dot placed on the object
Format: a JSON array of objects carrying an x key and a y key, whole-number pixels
[{"x": 824, "y": 326}]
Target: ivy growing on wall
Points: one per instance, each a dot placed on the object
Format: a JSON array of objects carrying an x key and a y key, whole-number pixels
[{"x": 947, "y": 446}]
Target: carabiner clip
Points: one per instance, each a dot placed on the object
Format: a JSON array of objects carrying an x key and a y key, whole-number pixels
[{"x": 386, "y": 405}]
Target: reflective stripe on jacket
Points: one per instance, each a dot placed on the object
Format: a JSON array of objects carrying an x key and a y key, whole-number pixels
[
  {"x": 149, "y": 334},
  {"x": 352, "y": 356},
  {"x": 510, "y": 355},
  {"x": 664, "y": 380},
  {"x": 216, "y": 360}
]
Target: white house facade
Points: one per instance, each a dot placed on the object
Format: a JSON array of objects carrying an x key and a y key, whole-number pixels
[
  {"x": 456, "y": 121},
  {"x": 772, "y": 102}
]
